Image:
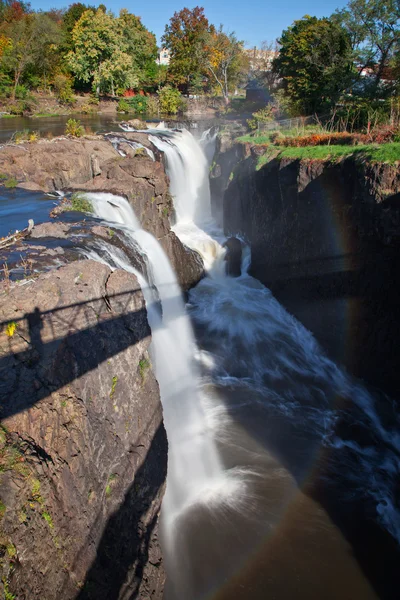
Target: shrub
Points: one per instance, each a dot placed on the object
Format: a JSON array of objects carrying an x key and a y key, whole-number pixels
[
  {"x": 138, "y": 104},
  {"x": 263, "y": 115},
  {"x": 25, "y": 136},
  {"x": 73, "y": 127},
  {"x": 80, "y": 203},
  {"x": 63, "y": 89},
  {"x": 93, "y": 101},
  {"x": 11, "y": 183},
  {"x": 123, "y": 106},
  {"x": 135, "y": 104},
  {"x": 87, "y": 108},
  {"x": 171, "y": 101},
  {"x": 16, "y": 109},
  {"x": 153, "y": 106},
  {"x": 21, "y": 92},
  {"x": 384, "y": 134}
]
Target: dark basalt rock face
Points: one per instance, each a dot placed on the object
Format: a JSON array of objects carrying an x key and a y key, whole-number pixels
[
  {"x": 233, "y": 257},
  {"x": 325, "y": 239},
  {"x": 82, "y": 447}
]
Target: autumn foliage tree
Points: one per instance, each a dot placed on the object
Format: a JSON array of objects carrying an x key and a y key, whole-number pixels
[
  {"x": 184, "y": 37},
  {"x": 224, "y": 59}
]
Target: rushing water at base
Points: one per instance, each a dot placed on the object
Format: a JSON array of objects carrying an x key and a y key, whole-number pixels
[{"x": 283, "y": 471}]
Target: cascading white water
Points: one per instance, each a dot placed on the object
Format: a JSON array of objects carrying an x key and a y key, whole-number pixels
[
  {"x": 187, "y": 167},
  {"x": 194, "y": 468},
  {"x": 243, "y": 312}
]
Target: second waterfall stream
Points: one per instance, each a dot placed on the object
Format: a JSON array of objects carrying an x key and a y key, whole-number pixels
[{"x": 251, "y": 412}]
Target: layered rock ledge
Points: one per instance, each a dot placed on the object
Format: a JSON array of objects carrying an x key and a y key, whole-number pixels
[{"x": 107, "y": 164}]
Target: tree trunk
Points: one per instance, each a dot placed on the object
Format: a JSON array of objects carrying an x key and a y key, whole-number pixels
[{"x": 16, "y": 81}]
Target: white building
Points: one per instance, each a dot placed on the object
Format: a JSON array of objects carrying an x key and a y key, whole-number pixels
[{"x": 163, "y": 56}]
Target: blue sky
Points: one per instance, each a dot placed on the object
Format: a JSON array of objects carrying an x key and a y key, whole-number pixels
[{"x": 252, "y": 20}]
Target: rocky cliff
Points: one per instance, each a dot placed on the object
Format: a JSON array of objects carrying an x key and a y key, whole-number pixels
[
  {"x": 83, "y": 449},
  {"x": 325, "y": 238}
]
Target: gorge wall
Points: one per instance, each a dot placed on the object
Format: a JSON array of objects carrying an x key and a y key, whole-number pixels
[
  {"x": 83, "y": 449},
  {"x": 325, "y": 239}
]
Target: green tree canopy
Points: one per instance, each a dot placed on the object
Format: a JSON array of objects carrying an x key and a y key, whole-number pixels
[
  {"x": 374, "y": 29},
  {"x": 100, "y": 55},
  {"x": 141, "y": 45},
  {"x": 184, "y": 38},
  {"x": 70, "y": 18},
  {"x": 33, "y": 43},
  {"x": 315, "y": 63}
]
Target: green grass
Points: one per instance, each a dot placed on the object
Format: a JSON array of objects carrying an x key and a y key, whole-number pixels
[
  {"x": 383, "y": 153},
  {"x": 113, "y": 385},
  {"x": 265, "y": 138},
  {"x": 254, "y": 139},
  {"x": 9, "y": 116},
  {"x": 45, "y": 114},
  {"x": 11, "y": 183},
  {"x": 80, "y": 204}
]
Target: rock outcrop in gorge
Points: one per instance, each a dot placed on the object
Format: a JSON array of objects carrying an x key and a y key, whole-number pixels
[
  {"x": 116, "y": 163},
  {"x": 82, "y": 449},
  {"x": 325, "y": 239}
]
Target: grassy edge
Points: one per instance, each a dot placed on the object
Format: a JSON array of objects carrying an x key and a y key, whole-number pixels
[{"x": 379, "y": 153}]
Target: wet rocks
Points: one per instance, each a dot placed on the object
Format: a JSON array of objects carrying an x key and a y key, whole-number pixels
[
  {"x": 233, "y": 257},
  {"x": 93, "y": 164}
]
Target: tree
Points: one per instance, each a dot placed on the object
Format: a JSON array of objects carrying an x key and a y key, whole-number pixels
[
  {"x": 141, "y": 46},
  {"x": 12, "y": 10},
  {"x": 100, "y": 53},
  {"x": 374, "y": 29},
  {"x": 70, "y": 18},
  {"x": 184, "y": 38},
  {"x": 223, "y": 58},
  {"x": 315, "y": 63},
  {"x": 32, "y": 42}
]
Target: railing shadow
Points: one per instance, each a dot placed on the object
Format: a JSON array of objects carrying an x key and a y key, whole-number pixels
[{"x": 40, "y": 352}]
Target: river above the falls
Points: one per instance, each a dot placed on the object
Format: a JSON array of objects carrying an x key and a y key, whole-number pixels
[{"x": 96, "y": 123}]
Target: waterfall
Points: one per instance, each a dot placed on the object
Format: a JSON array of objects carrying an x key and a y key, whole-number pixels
[
  {"x": 194, "y": 468},
  {"x": 257, "y": 418}
]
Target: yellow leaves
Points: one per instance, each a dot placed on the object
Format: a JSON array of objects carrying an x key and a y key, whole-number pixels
[
  {"x": 5, "y": 44},
  {"x": 11, "y": 328}
]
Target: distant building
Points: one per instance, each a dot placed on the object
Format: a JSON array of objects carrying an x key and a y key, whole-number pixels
[
  {"x": 260, "y": 60},
  {"x": 164, "y": 56}
]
